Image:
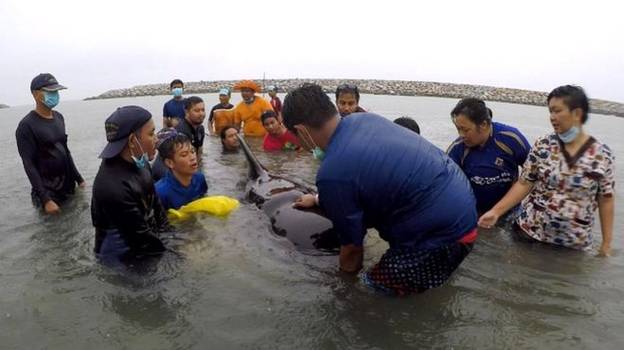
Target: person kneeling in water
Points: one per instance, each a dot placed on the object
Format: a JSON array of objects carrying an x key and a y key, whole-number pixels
[
  {"x": 416, "y": 197},
  {"x": 183, "y": 183},
  {"x": 126, "y": 213}
]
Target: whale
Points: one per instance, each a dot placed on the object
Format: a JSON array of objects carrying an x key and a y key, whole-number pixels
[{"x": 309, "y": 230}]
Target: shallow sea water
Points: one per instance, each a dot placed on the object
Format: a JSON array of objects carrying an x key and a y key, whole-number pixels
[{"x": 238, "y": 286}]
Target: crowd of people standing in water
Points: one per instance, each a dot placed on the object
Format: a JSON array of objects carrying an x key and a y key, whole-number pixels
[{"x": 426, "y": 203}]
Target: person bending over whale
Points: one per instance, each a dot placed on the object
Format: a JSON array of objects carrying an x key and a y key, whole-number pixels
[
  {"x": 183, "y": 183},
  {"x": 126, "y": 213},
  {"x": 400, "y": 184}
]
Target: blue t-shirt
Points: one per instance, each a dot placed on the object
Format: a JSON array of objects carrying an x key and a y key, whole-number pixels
[
  {"x": 173, "y": 195},
  {"x": 379, "y": 174},
  {"x": 492, "y": 168},
  {"x": 174, "y": 109}
]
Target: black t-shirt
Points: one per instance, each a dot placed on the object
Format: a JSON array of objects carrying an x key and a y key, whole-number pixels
[
  {"x": 42, "y": 144},
  {"x": 218, "y": 106},
  {"x": 124, "y": 200},
  {"x": 195, "y": 134}
]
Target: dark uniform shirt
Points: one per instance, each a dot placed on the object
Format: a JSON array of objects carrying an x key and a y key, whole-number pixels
[
  {"x": 195, "y": 134},
  {"x": 124, "y": 203},
  {"x": 174, "y": 109},
  {"x": 42, "y": 144},
  {"x": 492, "y": 168}
]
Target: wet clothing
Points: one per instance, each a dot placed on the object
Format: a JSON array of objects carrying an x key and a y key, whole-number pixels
[
  {"x": 276, "y": 104},
  {"x": 174, "y": 109},
  {"x": 196, "y": 134},
  {"x": 218, "y": 106},
  {"x": 285, "y": 142},
  {"x": 249, "y": 114},
  {"x": 560, "y": 208},
  {"x": 42, "y": 145},
  {"x": 379, "y": 174},
  {"x": 492, "y": 168},
  {"x": 173, "y": 194},
  {"x": 125, "y": 206},
  {"x": 403, "y": 271}
]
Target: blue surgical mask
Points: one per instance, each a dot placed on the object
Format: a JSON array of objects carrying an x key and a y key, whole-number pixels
[
  {"x": 142, "y": 160},
  {"x": 51, "y": 98},
  {"x": 177, "y": 92},
  {"x": 318, "y": 153},
  {"x": 569, "y": 135}
]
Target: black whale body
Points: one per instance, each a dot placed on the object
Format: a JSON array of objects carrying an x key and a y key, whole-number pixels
[{"x": 308, "y": 229}]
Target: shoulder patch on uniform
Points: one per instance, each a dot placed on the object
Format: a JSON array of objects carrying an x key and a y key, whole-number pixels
[
  {"x": 504, "y": 147},
  {"x": 514, "y": 136},
  {"x": 450, "y": 148}
]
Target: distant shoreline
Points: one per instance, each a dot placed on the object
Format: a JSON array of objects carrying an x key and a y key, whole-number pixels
[{"x": 376, "y": 87}]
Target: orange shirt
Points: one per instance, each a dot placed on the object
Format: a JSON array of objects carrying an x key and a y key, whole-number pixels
[
  {"x": 249, "y": 115},
  {"x": 222, "y": 118}
]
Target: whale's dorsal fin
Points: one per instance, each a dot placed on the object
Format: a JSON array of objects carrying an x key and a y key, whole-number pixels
[{"x": 256, "y": 170}]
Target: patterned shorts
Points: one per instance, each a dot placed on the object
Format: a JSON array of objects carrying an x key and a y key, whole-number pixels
[{"x": 406, "y": 271}]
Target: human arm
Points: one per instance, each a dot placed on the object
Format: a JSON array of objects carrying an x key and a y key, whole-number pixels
[
  {"x": 606, "y": 208},
  {"x": 27, "y": 149},
  {"x": 339, "y": 201},
  {"x": 516, "y": 193}
]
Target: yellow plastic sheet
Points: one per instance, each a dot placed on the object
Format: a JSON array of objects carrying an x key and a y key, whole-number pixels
[{"x": 214, "y": 205}]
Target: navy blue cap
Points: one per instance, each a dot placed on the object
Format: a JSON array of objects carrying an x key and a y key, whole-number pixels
[
  {"x": 123, "y": 122},
  {"x": 45, "y": 81}
]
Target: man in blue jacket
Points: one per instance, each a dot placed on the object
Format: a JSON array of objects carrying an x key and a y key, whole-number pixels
[{"x": 377, "y": 174}]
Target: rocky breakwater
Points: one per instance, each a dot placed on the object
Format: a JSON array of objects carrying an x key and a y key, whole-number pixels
[{"x": 377, "y": 87}]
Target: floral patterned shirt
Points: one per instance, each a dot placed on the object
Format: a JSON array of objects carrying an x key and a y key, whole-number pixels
[{"x": 560, "y": 208}]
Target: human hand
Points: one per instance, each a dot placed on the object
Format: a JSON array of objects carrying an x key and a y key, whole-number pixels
[
  {"x": 82, "y": 184},
  {"x": 489, "y": 219},
  {"x": 51, "y": 207},
  {"x": 305, "y": 201}
]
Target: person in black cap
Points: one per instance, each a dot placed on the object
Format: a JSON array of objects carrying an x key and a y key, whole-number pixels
[
  {"x": 42, "y": 145},
  {"x": 127, "y": 215}
]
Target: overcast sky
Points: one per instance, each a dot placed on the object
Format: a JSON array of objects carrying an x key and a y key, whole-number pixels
[{"x": 94, "y": 46}]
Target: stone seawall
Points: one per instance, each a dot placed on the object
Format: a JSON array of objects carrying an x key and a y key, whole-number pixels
[{"x": 377, "y": 87}]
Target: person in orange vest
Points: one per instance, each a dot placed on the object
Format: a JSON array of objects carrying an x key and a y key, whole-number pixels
[{"x": 249, "y": 111}]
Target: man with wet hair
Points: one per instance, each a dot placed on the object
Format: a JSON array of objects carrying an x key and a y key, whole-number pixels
[
  {"x": 183, "y": 183},
  {"x": 42, "y": 145},
  {"x": 408, "y": 123},
  {"x": 173, "y": 110},
  {"x": 410, "y": 191},
  {"x": 229, "y": 140},
  {"x": 348, "y": 100}
]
